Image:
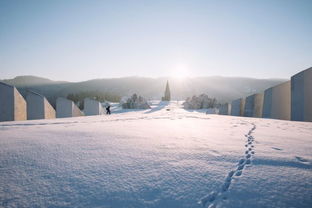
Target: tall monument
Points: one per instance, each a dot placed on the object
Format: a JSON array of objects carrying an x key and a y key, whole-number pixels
[{"x": 167, "y": 96}]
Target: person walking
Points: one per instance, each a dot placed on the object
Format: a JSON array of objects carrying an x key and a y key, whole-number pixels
[{"x": 108, "y": 112}]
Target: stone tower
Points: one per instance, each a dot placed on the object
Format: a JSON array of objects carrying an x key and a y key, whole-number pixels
[{"x": 167, "y": 96}]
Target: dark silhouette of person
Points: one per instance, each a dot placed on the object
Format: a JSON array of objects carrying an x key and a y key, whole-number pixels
[{"x": 108, "y": 110}]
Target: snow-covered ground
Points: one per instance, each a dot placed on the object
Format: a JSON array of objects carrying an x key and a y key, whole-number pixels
[{"x": 160, "y": 157}]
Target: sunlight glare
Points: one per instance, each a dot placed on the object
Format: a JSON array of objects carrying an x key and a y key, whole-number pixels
[{"x": 180, "y": 72}]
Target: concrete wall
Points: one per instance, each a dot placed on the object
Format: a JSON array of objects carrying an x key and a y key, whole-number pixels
[
  {"x": 267, "y": 103},
  {"x": 77, "y": 111},
  {"x": 242, "y": 106},
  {"x": 308, "y": 94},
  {"x": 12, "y": 104},
  {"x": 92, "y": 107},
  {"x": 49, "y": 111},
  {"x": 254, "y": 105},
  {"x": 20, "y": 106},
  {"x": 66, "y": 108},
  {"x": 281, "y": 101},
  {"x": 225, "y": 109},
  {"x": 237, "y": 107},
  {"x": 301, "y": 96},
  {"x": 38, "y": 107},
  {"x": 276, "y": 102}
]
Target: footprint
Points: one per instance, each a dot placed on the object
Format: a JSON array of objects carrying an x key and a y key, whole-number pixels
[
  {"x": 228, "y": 179},
  {"x": 224, "y": 197},
  {"x": 241, "y": 161},
  {"x": 212, "y": 206},
  {"x": 231, "y": 173},
  {"x": 241, "y": 167},
  {"x": 238, "y": 173},
  {"x": 226, "y": 186},
  {"x": 301, "y": 159},
  {"x": 213, "y": 199},
  {"x": 209, "y": 198}
]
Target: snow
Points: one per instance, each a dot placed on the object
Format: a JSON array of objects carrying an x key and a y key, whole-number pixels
[{"x": 160, "y": 157}]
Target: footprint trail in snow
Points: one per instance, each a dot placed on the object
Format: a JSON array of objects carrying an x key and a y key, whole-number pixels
[{"x": 213, "y": 199}]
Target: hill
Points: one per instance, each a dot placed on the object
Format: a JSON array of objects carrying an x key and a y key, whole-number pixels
[{"x": 222, "y": 88}]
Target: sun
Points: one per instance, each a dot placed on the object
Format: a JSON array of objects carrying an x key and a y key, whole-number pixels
[{"x": 180, "y": 72}]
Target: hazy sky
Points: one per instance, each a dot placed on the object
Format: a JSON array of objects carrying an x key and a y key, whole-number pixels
[{"x": 79, "y": 40}]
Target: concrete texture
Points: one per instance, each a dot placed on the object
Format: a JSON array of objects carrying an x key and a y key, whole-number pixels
[
  {"x": 12, "y": 104},
  {"x": 66, "y": 108},
  {"x": 267, "y": 103},
  {"x": 237, "y": 107},
  {"x": 276, "y": 103},
  {"x": 254, "y": 105},
  {"x": 225, "y": 109},
  {"x": 92, "y": 107},
  {"x": 301, "y": 96},
  {"x": 38, "y": 107}
]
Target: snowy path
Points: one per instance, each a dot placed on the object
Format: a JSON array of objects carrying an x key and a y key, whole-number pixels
[{"x": 163, "y": 157}]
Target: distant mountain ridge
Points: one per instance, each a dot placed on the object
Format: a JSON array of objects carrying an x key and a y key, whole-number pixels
[
  {"x": 224, "y": 89},
  {"x": 29, "y": 80}
]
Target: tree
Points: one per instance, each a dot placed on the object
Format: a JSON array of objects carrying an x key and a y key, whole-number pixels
[{"x": 167, "y": 96}]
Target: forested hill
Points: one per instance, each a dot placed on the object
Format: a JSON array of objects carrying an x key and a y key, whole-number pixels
[{"x": 222, "y": 88}]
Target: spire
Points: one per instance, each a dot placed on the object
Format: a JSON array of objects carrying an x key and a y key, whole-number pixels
[{"x": 167, "y": 96}]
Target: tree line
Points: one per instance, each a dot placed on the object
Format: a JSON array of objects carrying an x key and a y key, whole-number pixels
[{"x": 96, "y": 95}]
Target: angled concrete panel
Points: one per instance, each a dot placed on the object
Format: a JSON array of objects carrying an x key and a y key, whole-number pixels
[
  {"x": 38, "y": 107},
  {"x": 254, "y": 105},
  {"x": 308, "y": 95},
  {"x": 92, "y": 107},
  {"x": 276, "y": 103},
  {"x": 237, "y": 107},
  {"x": 267, "y": 103},
  {"x": 66, "y": 108},
  {"x": 301, "y": 96},
  {"x": 281, "y": 101},
  {"x": 12, "y": 104},
  {"x": 225, "y": 109},
  {"x": 77, "y": 111},
  {"x": 242, "y": 106}
]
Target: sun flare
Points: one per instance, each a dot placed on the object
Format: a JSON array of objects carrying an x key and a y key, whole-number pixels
[{"x": 180, "y": 72}]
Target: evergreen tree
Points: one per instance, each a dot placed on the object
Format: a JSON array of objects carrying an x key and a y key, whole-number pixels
[{"x": 167, "y": 96}]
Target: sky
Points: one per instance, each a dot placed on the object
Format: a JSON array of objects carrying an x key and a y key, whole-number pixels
[{"x": 78, "y": 40}]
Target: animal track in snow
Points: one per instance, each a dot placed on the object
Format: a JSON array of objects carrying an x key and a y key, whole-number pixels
[
  {"x": 211, "y": 200},
  {"x": 275, "y": 148},
  {"x": 301, "y": 159}
]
